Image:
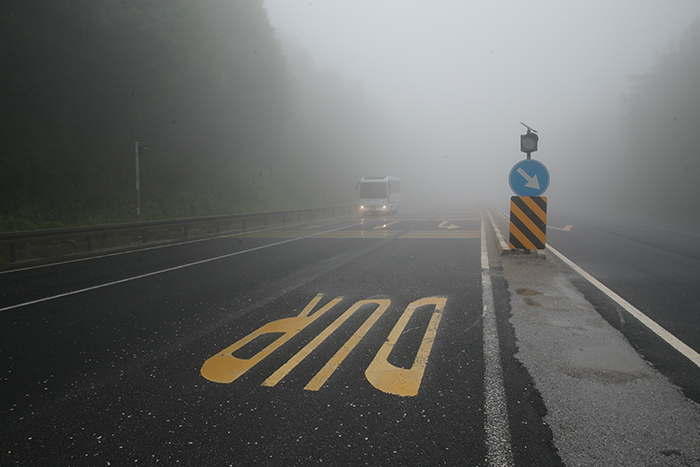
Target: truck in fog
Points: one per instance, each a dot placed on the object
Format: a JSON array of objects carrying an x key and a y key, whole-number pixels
[{"x": 380, "y": 195}]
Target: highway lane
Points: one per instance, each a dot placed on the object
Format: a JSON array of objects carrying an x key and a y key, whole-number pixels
[
  {"x": 21, "y": 286},
  {"x": 344, "y": 342},
  {"x": 656, "y": 268}
]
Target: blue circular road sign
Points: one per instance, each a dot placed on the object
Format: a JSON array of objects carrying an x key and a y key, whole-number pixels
[{"x": 529, "y": 178}]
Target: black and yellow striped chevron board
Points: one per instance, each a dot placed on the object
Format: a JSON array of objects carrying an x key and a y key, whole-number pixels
[{"x": 528, "y": 222}]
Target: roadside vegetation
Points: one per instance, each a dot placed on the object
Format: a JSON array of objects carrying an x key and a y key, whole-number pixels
[
  {"x": 661, "y": 164},
  {"x": 203, "y": 85},
  {"x": 238, "y": 118}
]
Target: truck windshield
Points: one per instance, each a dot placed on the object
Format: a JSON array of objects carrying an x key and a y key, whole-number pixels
[{"x": 373, "y": 190}]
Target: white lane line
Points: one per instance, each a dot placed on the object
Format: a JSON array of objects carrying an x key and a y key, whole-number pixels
[
  {"x": 498, "y": 439},
  {"x": 162, "y": 271},
  {"x": 118, "y": 253},
  {"x": 503, "y": 213},
  {"x": 565, "y": 228},
  {"x": 648, "y": 226},
  {"x": 674, "y": 231},
  {"x": 644, "y": 319},
  {"x": 167, "y": 245}
]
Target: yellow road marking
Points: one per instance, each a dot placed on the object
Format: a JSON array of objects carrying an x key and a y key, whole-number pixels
[
  {"x": 320, "y": 225},
  {"x": 225, "y": 368},
  {"x": 276, "y": 234},
  {"x": 400, "y": 381},
  {"x": 327, "y": 370},
  {"x": 441, "y": 234},
  {"x": 384, "y": 226},
  {"x": 361, "y": 234},
  {"x": 325, "y": 373},
  {"x": 383, "y": 233}
]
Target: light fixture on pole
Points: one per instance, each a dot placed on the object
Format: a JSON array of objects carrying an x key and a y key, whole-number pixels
[{"x": 528, "y": 141}]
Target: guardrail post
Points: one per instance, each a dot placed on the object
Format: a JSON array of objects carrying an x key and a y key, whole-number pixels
[
  {"x": 89, "y": 243},
  {"x": 13, "y": 253},
  {"x": 143, "y": 236},
  {"x": 218, "y": 227},
  {"x": 184, "y": 231}
]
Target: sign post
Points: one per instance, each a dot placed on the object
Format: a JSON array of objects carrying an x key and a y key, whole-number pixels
[{"x": 137, "y": 151}]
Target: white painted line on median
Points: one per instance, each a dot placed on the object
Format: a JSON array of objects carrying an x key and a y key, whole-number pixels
[
  {"x": 644, "y": 319},
  {"x": 503, "y": 245},
  {"x": 175, "y": 268},
  {"x": 498, "y": 440}
]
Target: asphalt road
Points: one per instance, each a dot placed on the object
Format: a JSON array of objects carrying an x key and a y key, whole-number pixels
[
  {"x": 652, "y": 265},
  {"x": 339, "y": 342}
]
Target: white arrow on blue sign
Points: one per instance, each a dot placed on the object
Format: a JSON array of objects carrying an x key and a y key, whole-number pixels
[{"x": 529, "y": 178}]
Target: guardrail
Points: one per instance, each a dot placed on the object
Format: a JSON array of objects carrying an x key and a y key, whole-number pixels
[{"x": 15, "y": 244}]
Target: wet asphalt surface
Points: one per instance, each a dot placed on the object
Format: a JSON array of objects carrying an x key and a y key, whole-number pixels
[{"x": 106, "y": 368}]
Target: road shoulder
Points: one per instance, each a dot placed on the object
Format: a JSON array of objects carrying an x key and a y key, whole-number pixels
[{"x": 605, "y": 404}]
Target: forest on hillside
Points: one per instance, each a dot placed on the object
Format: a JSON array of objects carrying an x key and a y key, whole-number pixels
[
  {"x": 238, "y": 118},
  {"x": 636, "y": 156},
  {"x": 660, "y": 167},
  {"x": 203, "y": 85}
]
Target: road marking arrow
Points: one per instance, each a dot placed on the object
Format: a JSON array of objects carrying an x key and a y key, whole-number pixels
[
  {"x": 565, "y": 229},
  {"x": 448, "y": 227},
  {"x": 531, "y": 181}
]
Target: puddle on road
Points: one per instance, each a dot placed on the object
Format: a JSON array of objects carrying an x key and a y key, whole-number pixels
[{"x": 528, "y": 293}]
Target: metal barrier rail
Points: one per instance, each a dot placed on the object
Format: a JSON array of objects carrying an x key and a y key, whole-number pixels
[{"x": 13, "y": 239}]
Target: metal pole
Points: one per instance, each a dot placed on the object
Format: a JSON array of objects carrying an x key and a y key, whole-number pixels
[{"x": 138, "y": 187}]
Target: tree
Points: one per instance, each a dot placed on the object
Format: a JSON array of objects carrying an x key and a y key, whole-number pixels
[{"x": 203, "y": 83}]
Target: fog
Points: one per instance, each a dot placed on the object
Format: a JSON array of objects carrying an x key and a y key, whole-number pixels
[{"x": 454, "y": 79}]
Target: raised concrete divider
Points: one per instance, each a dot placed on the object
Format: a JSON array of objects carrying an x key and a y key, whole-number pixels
[{"x": 606, "y": 406}]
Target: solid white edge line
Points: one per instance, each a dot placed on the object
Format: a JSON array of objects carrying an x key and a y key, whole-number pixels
[
  {"x": 154, "y": 273},
  {"x": 498, "y": 439},
  {"x": 644, "y": 319}
]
